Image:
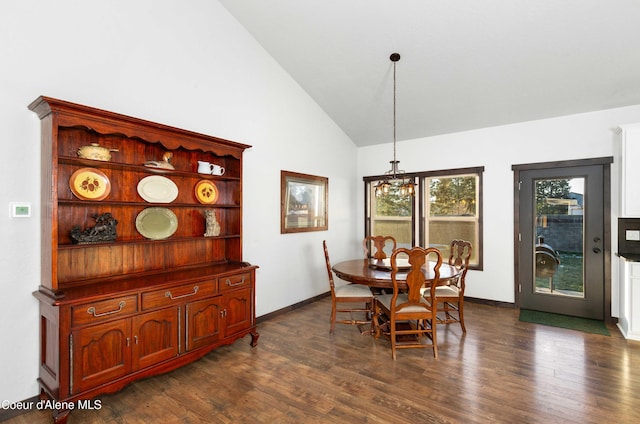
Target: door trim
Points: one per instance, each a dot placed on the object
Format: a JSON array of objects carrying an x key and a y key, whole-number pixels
[{"x": 606, "y": 180}]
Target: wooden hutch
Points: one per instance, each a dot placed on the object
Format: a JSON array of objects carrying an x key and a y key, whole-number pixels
[{"x": 159, "y": 295}]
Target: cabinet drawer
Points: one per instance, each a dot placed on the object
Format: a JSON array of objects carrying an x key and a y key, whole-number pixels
[
  {"x": 103, "y": 310},
  {"x": 235, "y": 281},
  {"x": 179, "y": 294}
]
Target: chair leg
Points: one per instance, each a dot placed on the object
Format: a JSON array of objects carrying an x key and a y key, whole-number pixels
[
  {"x": 447, "y": 312},
  {"x": 374, "y": 320},
  {"x": 461, "y": 316},
  {"x": 333, "y": 316},
  {"x": 375, "y": 324},
  {"x": 433, "y": 337},
  {"x": 392, "y": 324}
]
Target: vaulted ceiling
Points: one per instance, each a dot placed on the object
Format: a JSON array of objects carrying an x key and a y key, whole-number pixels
[{"x": 465, "y": 64}]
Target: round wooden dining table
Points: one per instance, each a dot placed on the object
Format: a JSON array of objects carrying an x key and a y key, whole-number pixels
[{"x": 377, "y": 274}]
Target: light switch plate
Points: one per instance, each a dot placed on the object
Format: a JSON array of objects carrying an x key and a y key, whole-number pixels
[{"x": 20, "y": 210}]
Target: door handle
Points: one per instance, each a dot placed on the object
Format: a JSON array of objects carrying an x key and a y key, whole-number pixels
[{"x": 596, "y": 250}]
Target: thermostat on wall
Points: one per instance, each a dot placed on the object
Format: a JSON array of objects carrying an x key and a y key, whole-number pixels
[{"x": 20, "y": 210}]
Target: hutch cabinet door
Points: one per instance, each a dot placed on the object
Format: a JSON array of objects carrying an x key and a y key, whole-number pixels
[
  {"x": 155, "y": 337},
  {"x": 100, "y": 354},
  {"x": 238, "y": 310},
  {"x": 203, "y": 322}
]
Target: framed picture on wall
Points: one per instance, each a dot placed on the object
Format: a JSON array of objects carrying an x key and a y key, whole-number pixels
[{"x": 303, "y": 202}]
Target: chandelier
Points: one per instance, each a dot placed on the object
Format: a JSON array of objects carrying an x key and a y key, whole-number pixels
[{"x": 407, "y": 187}]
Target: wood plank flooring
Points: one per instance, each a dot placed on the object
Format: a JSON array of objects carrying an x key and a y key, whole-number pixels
[{"x": 502, "y": 371}]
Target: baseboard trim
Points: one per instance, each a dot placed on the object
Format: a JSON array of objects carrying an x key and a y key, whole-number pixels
[
  {"x": 490, "y": 302},
  {"x": 266, "y": 317},
  {"x": 270, "y": 315}
]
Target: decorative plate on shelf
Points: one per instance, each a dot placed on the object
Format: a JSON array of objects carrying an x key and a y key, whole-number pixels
[
  {"x": 90, "y": 184},
  {"x": 206, "y": 192},
  {"x": 157, "y": 189},
  {"x": 156, "y": 223}
]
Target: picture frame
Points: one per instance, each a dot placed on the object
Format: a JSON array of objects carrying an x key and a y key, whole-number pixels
[{"x": 304, "y": 202}]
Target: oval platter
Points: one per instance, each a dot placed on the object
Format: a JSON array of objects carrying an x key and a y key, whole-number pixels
[
  {"x": 157, "y": 189},
  {"x": 89, "y": 184},
  {"x": 156, "y": 223}
]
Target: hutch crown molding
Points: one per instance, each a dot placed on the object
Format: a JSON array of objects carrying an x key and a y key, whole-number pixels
[{"x": 134, "y": 281}]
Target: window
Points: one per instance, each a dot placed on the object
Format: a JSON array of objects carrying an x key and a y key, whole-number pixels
[
  {"x": 447, "y": 206},
  {"x": 391, "y": 215},
  {"x": 451, "y": 211}
]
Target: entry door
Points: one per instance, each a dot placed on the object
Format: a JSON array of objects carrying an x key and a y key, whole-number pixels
[{"x": 561, "y": 248}]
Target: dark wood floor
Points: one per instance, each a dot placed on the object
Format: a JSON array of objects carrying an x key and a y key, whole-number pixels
[{"x": 503, "y": 371}]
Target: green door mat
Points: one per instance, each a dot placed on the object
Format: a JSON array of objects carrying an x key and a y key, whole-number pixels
[{"x": 564, "y": 321}]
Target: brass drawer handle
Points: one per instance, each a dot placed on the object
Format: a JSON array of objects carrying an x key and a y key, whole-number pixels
[
  {"x": 172, "y": 297},
  {"x": 92, "y": 310},
  {"x": 230, "y": 284}
]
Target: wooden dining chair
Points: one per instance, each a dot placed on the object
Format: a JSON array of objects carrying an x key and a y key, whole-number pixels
[
  {"x": 354, "y": 295},
  {"x": 377, "y": 244},
  {"x": 451, "y": 296},
  {"x": 410, "y": 315}
]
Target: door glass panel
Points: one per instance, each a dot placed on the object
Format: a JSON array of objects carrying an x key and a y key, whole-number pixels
[{"x": 558, "y": 237}]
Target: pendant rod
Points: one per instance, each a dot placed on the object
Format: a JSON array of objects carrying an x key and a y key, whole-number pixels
[{"x": 395, "y": 57}]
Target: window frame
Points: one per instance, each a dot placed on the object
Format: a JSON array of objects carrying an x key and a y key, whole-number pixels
[{"x": 418, "y": 218}]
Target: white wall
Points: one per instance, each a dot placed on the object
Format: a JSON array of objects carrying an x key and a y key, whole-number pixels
[
  {"x": 185, "y": 64},
  {"x": 582, "y": 136}
]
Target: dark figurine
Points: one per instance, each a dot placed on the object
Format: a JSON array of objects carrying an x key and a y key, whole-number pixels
[{"x": 103, "y": 231}]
